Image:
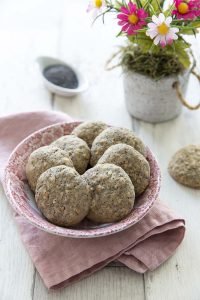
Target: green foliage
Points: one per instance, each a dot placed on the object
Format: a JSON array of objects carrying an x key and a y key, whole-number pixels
[
  {"x": 179, "y": 49},
  {"x": 142, "y": 40},
  {"x": 155, "y": 62},
  {"x": 156, "y": 4},
  {"x": 152, "y": 6},
  {"x": 118, "y": 4},
  {"x": 191, "y": 28}
]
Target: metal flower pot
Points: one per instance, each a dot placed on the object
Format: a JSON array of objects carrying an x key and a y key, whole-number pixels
[{"x": 154, "y": 101}]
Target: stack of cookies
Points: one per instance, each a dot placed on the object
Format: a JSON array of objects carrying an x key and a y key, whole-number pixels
[{"x": 95, "y": 172}]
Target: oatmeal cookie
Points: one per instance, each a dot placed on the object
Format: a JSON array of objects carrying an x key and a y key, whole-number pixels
[
  {"x": 88, "y": 131},
  {"x": 63, "y": 196},
  {"x": 132, "y": 162},
  {"x": 184, "y": 166},
  {"x": 112, "y": 136},
  {"x": 77, "y": 150},
  {"x": 42, "y": 159},
  {"x": 112, "y": 193}
]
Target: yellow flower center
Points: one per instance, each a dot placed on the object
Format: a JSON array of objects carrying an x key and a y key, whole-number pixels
[
  {"x": 97, "y": 3},
  {"x": 133, "y": 19},
  {"x": 163, "y": 29},
  {"x": 183, "y": 8}
]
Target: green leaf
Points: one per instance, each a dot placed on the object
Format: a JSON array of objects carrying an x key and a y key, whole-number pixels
[
  {"x": 180, "y": 49},
  {"x": 188, "y": 31},
  {"x": 195, "y": 24},
  {"x": 156, "y": 5},
  {"x": 119, "y": 34},
  {"x": 143, "y": 41},
  {"x": 118, "y": 4}
]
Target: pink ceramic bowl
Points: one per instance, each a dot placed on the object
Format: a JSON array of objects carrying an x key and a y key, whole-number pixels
[{"x": 22, "y": 199}]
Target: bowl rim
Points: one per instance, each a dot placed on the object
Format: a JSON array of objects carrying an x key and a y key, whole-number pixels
[{"x": 112, "y": 228}]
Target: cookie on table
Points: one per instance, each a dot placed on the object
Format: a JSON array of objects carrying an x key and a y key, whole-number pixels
[
  {"x": 112, "y": 193},
  {"x": 112, "y": 136},
  {"x": 132, "y": 162},
  {"x": 88, "y": 131},
  {"x": 184, "y": 166},
  {"x": 42, "y": 159},
  {"x": 63, "y": 196},
  {"x": 77, "y": 150}
]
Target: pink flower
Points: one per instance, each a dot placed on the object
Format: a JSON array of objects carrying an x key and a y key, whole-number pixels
[
  {"x": 132, "y": 18},
  {"x": 187, "y": 9},
  {"x": 160, "y": 30}
]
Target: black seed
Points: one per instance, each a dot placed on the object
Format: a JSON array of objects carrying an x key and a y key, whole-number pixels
[{"x": 61, "y": 75}]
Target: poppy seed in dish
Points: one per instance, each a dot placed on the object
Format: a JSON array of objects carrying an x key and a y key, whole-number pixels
[{"x": 62, "y": 76}]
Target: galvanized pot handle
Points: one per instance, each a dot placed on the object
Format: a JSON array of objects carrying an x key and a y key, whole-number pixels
[{"x": 179, "y": 93}]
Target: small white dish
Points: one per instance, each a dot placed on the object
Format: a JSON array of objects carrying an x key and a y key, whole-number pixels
[{"x": 45, "y": 61}]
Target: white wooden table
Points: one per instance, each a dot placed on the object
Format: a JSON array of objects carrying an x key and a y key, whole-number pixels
[{"x": 62, "y": 28}]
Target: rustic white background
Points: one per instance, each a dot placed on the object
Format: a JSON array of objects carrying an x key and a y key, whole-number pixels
[{"x": 62, "y": 28}]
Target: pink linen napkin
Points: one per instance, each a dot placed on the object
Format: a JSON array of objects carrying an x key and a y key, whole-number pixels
[{"x": 61, "y": 261}]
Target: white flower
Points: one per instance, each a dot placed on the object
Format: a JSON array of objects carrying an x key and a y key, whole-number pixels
[
  {"x": 96, "y": 7},
  {"x": 160, "y": 30}
]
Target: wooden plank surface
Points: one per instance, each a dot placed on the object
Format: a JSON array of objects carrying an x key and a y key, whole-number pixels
[
  {"x": 32, "y": 28},
  {"x": 110, "y": 283},
  {"x": 27, "y": 29},
  {"x": 178, "y": 278},
  {"x": 91, "y": 49},
  {"x": 16, "y": 269}
]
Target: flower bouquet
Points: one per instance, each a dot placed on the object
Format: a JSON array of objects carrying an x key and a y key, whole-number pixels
[{"x": 157, "y": 59}]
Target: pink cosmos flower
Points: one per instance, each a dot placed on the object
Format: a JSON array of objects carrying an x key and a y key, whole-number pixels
[
  {"x": 132, "y": 18},
  {"x": 187, "y": 9}
]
